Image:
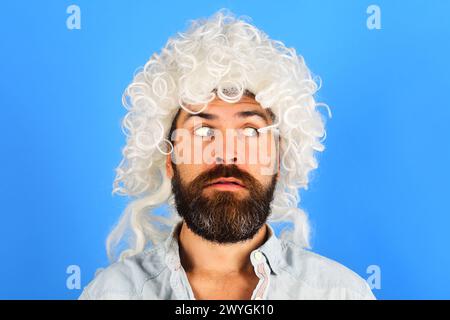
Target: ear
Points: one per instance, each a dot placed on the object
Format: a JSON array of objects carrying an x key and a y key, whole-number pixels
[{"x": 169, "y": 169}]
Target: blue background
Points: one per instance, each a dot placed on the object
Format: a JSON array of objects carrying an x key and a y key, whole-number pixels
[{"x": 380, "y": 194}]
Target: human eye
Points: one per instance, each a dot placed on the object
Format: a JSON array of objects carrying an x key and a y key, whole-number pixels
[
  {"x": 250, "y": 132},
  {"x": 204, "y": 131}
]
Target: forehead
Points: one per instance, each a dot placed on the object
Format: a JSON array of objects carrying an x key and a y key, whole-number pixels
[{"x": 223, "y": 109}]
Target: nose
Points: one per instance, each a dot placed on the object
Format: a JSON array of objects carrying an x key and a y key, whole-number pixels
[
  {"x": 231, "y": 160},
  {"x": 226, "y": 148}
]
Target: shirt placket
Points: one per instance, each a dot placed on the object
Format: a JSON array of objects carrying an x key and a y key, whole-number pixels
[{"x": 262, "y": 271}]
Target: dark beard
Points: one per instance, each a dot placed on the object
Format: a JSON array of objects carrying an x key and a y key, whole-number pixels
[{"x": 223, "y": 217}]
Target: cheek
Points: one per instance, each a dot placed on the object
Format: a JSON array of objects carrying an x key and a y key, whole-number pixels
[
  {"x": 193, "y": 150},
  {"x": 257, "y": 173},
  {"x": 262, "y": 163},
  {"x": 188, "y": 172}
]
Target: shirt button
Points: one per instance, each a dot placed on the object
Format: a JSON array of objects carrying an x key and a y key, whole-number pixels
[{"x": 258, "y": 255}]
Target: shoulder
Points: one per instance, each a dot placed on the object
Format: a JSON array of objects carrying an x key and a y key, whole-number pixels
[
  {"x": 125, "y": 279},
  {"x": 324, "y": 274}
]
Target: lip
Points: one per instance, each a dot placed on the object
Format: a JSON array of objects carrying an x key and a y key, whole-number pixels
[{"x": 227, "y": 184}]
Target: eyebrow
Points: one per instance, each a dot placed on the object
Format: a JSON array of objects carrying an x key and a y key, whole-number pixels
[
  {"x": 203, "y": 115},
  {"x": 240, "y": 114},
  {"x": 251, "y": 113}
]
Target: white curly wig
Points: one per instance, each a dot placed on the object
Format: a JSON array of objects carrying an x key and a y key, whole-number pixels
[{"x": 212, "y": 56}]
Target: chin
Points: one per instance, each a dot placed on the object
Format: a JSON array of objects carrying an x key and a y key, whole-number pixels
[{"x": 215, "y": 193}]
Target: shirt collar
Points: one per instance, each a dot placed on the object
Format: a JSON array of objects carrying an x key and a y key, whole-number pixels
[{"x": 271, "y": 248}]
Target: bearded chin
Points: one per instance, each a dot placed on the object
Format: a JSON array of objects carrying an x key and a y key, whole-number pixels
[{"x": 223, "y": 217}]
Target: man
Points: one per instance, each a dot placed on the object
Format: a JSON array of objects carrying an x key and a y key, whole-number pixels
[{"x": 222, "y": 127}]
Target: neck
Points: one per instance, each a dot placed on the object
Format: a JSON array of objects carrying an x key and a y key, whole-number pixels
[{"x": 202, "y": 256}]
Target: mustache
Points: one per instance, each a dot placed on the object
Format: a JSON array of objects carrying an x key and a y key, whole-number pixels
[{"x": 224, "y": 171}]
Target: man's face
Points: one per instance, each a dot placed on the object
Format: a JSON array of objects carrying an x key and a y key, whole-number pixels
[{"x": 223, "y": 171}]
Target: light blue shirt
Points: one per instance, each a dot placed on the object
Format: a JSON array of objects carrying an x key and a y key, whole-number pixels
[{"x": 285, "y": 271}]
